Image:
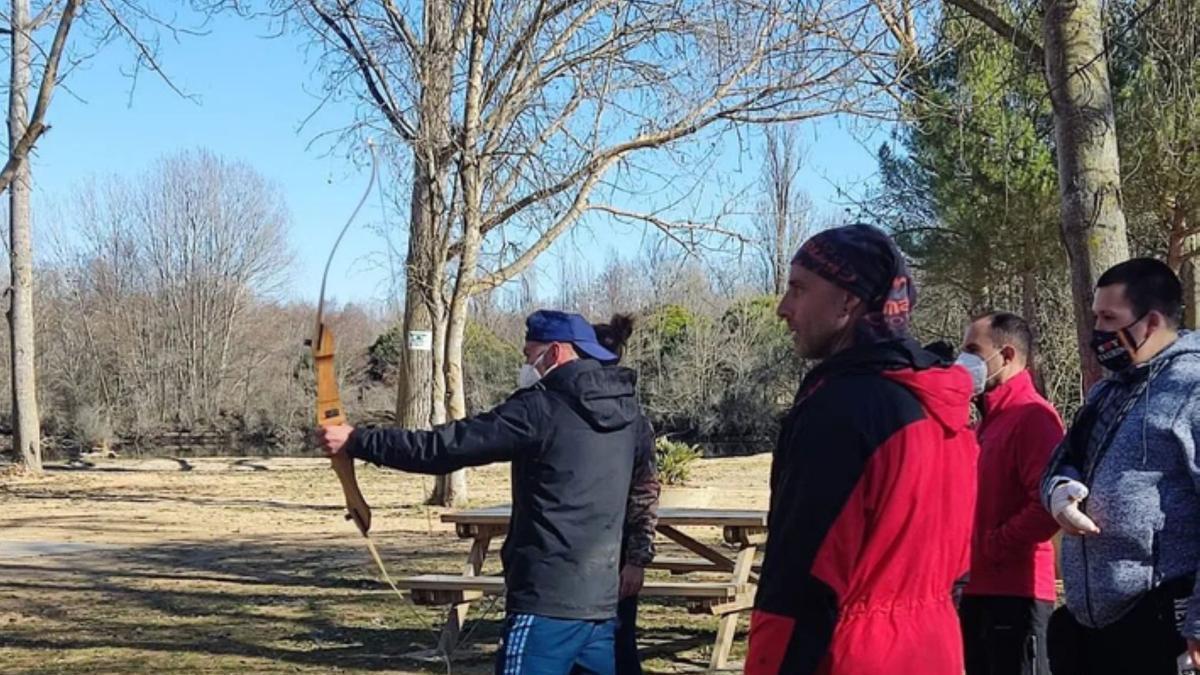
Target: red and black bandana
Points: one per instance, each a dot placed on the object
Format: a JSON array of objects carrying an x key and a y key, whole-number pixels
[{"x": 865, "y": 261}]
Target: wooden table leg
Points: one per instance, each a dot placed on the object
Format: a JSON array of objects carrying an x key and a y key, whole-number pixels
[
  {"x": 457, "y": 617},
  {"x": 719, "y": 561},
  {"x": 727, "y": 626}
]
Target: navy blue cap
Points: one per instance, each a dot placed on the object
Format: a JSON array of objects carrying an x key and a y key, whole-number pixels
[{"x": 547, "y": 325}]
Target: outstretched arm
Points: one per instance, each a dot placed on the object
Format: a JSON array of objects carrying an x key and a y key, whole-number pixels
[{"x": 495, "y": 436}]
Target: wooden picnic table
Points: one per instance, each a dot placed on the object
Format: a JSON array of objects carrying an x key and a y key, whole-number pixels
[{"x": 728, "y": 596}]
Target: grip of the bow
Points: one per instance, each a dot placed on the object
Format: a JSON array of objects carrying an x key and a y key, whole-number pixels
[
  {"x": 356, "y": 506},
  {"x": 330, "y": 413}
]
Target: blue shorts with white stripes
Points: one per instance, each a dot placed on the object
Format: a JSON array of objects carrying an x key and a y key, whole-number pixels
[{"x": 538, "y": 645}]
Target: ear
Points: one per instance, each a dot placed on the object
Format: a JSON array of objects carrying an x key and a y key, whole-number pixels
[
  {"x": 1008, "y": 353},
  {"x": 1155, "y": 321},
  {"x": 851, "y": 304}
]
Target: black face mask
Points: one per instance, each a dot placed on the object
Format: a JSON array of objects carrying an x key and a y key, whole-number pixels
[{"x": 1112, "y": 347}]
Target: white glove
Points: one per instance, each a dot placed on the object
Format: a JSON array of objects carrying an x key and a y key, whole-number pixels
[{"x": 1064, "y": 506}]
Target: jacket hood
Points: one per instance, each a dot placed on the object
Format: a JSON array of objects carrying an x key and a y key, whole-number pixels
[
  {"x": 944, "y": 392},
  {"x": 605, "y": 396},
  {"x": 1187, "y": 343},
  {"x": 944, "y": 389}
]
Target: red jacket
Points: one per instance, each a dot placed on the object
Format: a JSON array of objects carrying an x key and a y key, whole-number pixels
[
  {"x": 1011, "y": 553},
  {"x": 872, "y": 493}
]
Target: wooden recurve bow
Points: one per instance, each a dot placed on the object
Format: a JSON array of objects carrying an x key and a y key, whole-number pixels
[{"x": 329, "y": 401}]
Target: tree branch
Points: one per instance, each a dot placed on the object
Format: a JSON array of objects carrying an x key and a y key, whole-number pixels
[
  {"x": 20, "y": 151},
  {"x": 400, "y": 25},
  {"x": 523, "y": 261},
  {"x": 532, "y": 79},
  {"x": 367, "y": 69},
  {"x": 143, "y": 50},
  {"x": 1021, "y": 40},
  {"x": 903, "y": 35},
  {"x": 541, "y": 17},
  {"x": 43, "y": 17},
  {"x": 671, "y": 227},
  {"x": 689, "y": 123}
]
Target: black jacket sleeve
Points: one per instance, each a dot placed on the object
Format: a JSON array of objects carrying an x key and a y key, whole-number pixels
[{"x": 498, "y": 435}]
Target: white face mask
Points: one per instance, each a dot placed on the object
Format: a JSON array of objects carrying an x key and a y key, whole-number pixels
[
  {"x": 529, "y": 375},
  {"x": 998, "y": 372},
  {"x": 977, "y": 367}
]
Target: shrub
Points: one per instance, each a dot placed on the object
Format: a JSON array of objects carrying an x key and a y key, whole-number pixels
[{"x": 674, "y": 460}]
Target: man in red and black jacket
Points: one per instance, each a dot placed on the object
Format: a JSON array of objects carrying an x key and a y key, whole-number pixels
[{"x": 873, "y": 478}]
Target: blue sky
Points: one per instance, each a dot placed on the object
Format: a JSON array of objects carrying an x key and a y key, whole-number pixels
[{"x": 254, "y": 93}]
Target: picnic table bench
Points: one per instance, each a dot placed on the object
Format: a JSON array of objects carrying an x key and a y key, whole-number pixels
[
  {"x": 725, "y": 596},
  {"x": 445, "y": 589}
]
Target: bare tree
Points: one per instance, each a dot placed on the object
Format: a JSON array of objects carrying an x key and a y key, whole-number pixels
[
  {"x": 783, "y": 219},
  {"x": 24, "y": 25},
  {"x": 523, "y": 117},
  {"x": 161, "y": 282},
  {"x": 212, "y": 232},
  {"x": 23, "y": 131}
]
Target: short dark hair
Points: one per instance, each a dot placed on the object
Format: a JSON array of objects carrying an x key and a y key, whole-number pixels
[
  {"x": 1010, "y": 329},
  {"x": 1150, "y": 285},
  {"x": 614, "y": 334}
]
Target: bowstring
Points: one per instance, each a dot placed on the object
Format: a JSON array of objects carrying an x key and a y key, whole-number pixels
[
  {"x": 407, "y": 602},
  {"x": 483, "y": 617}
]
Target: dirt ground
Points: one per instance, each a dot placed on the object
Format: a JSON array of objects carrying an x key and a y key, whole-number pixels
[{"x": 247, "y": 566}]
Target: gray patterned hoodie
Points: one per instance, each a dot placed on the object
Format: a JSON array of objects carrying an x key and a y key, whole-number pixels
[{"x": 1144, "y": 487}]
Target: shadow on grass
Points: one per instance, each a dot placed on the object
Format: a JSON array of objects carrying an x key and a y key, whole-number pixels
[
  {"x": 103, "y": 496},
  {"x": 314, "y": 604}
]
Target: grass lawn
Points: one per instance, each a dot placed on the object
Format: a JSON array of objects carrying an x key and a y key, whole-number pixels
[{"x": 247, "y": 566}]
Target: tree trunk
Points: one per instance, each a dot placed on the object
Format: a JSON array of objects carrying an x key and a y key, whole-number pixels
[
  {"x": 452, "y": 489},
  {"x": 420, "y": 400},
  {"x": 780, "y": 173},
  {"x": 1176, "y": 237},
  {"x": 414, "y": 398},
  {"x": 1089, "y": 169},
  {"x": 780, "y": 264},
  {"x": 1181, "y": 259},
  {"x": 1029, "y": 303},
  {"x": 1181, "y": 256},
  {"x": 26, "y": 427},
  {"x": 438, "y": 392},
  {"x": 1191, "y": 292}
]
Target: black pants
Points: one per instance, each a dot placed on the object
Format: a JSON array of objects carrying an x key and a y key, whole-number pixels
[
  {"x": 628, "y": 661},
  {"x": 1146, "y": 641},
  {"x": 1005, "y": 635},
  {"x": 625, "y": 639}
]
